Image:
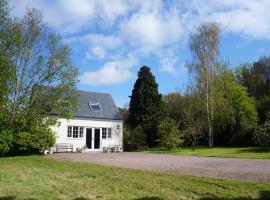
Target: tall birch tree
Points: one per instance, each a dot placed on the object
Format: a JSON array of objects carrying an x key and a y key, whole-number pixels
[{"x": 204, "y": 46}]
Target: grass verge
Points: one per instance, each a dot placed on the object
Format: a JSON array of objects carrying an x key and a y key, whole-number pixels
[
  {"x": 226, "y": 152},
  {"x": 38, "y": 177}
]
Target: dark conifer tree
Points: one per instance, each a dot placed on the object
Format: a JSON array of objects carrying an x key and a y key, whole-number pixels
[{"x": 146, "y": 108}]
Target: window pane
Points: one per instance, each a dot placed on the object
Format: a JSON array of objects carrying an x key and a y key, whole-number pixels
[
  {"x": 81, "y": 132},
  {"x": 69, "y": 132},
  {"x": 109, "y": 133},
  {"x": 103, "y": 133},
  {"x": 94, "y": 106},
  {"x": 75, "y": 131}
]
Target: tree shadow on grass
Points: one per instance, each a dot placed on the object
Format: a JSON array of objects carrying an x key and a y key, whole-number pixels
[
  {"x": 255, "y": 150},
  {"x": 264, "y": 195},
  {"x": 8, "y": 198},
  {"x": 14, "y": 198}
]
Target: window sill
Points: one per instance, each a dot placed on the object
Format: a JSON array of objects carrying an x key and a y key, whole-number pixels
[{"x": 74, "y": 138}]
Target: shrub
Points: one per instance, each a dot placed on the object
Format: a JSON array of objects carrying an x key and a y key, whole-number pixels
[
  {"x": 262, "y": 133},
  {"x": 134, "y": 139},
  {"x": 6, "y": 142},
  {"x": 44, "y": 138},
  {"x": 24, "y": 141},
  {"x": 37, "y": 138},
  {"x": 169, "y": 134}
]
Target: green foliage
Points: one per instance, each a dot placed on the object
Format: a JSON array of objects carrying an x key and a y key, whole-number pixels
[
  {"x": 187, "y": 111},
  {"x": 245, "y": 114},
  {"x": 262, "y": 133},
  {"x": 168, "y": 134},
  {"x": 24, "y": 141},
  {"x": 263, "y": 107},
  {"x": 146, "y": 108},
  {"x": 134, "y": 139},
  {"x": 32, "y": 57},
  {"x": 255, "y": 77},
  {"x": 235, "y": 116},
  {"x": 6, "y": 141},
  {"x": 204, "y": 47},
  {"x": 174, "y": 104},
  {"x": 39, "y": 138}
]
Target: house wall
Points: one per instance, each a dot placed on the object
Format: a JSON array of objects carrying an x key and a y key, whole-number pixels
[{"x": 61, "y": 132}]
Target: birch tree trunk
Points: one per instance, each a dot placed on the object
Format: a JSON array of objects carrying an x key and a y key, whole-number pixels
[{"x": 204, "y": 45}]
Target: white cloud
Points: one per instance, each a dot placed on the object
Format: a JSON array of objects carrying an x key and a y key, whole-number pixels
[
  {"x": 111, "y": 73},
  {"x": 167, "y": 63},
  {"x": 152, "y": 30},
  {"x": 110, "y": 30},
  {"x": 69, "y": 16},
  {"x": 96, "y": 52},
  {"x": 245, "y": 17},
  {"x": 98, "y": 46},
  {"x": 152, "y": 20},
  {"x": 108, "y": 41},
  {"x": 111, "y": 10}
]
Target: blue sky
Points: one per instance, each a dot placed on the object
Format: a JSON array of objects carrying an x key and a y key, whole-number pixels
[{"x": 112, "y": 39}]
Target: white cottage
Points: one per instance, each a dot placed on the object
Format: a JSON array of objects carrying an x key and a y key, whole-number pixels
[{"x": 97, "y": 125}]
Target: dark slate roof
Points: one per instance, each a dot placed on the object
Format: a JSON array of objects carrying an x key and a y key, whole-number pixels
[{"x": 108, "y": 107}]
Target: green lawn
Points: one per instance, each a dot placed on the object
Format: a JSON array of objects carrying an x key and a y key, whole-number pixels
[
  {"x": 37, "y": 177},
  {"x": 226, "y": 152}
]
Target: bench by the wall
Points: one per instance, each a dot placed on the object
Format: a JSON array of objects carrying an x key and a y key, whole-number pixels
[{"x": 64, "y": 147}]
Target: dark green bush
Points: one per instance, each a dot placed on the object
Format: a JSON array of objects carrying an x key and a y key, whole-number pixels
[
  {"x": 39, "y": 138},
  {"x": 262, "y": 133},
  {"x": 134, "y": 139},
  {"x": 6, "y": 142}
]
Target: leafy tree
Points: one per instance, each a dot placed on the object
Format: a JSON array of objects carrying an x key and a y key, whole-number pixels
[
  {"x": 31, "y": 57},
  {"x": 186, "y": 111},
  {"x": 192, "y": 117},
  {"x": 174, "y": 104},
  {"x": 125, "y": 114},
  {"x": 204, "y": 46},
  {"x": 145, "y": 106},
  {"x": 262, "y": 133},
  {"x": 224, "y": 116},
  {"x": 263, "y": 107},
  {"x": 256, "y": 77},
  {"x": 169, "y": 135},
  {"x": 6, "y": 142},
  {"x": 244, "y": 111}
]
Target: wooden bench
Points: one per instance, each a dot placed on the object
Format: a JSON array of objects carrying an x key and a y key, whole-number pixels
[{"x": 64, "y": 146}]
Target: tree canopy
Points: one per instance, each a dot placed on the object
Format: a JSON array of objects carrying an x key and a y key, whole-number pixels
[
  {"x": 204, "y": 46},
  {"x": 31, "y": 56},
  {"x": 145, "y": 106}
]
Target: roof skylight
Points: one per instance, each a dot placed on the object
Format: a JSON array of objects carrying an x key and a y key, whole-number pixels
[{"x": 94, "y": 106}]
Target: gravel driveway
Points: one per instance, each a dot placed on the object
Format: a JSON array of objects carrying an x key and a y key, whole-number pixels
[{"x": 254, "y": 170}]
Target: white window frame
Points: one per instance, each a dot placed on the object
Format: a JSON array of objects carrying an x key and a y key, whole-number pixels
[
  {"x": 80, "y": 132},
  {"x": 94, "y": 104},
  {"x": 75, "y": 132},
  {"x": 102, "y": 132},
  {"x": 109, "y": 130},
  {"x": 69, "y": 132},
  {"x": 106, "y": 133}
]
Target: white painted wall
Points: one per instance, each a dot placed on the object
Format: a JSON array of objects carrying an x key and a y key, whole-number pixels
[{"x": 61, "y": 132}]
